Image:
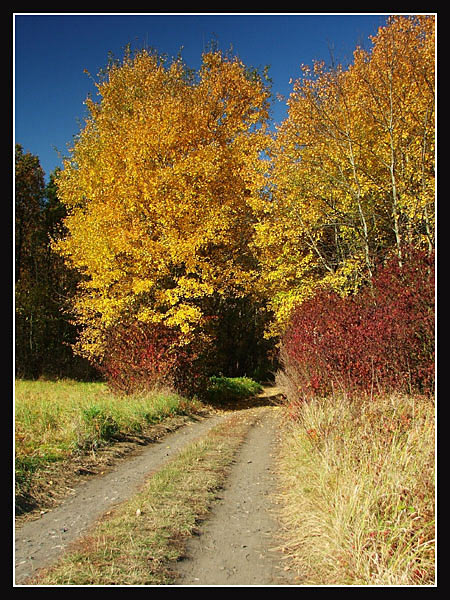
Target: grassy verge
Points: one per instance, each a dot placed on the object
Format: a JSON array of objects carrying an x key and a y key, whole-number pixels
[
  {"x": 58, "y": 420},
  {"x": 358, "y": 492},
  {"x": 141, "y": 539}
]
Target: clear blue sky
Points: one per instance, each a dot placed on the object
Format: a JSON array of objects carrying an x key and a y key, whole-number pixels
[{"x": 51, "y": 52}]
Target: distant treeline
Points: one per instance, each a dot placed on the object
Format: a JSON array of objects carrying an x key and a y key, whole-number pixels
[{"x": 44, "y": 332}]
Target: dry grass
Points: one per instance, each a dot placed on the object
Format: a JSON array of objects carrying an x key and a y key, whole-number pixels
[{"x": 358, "y": 492}]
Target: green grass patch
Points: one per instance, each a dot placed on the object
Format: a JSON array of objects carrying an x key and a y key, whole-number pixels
[
  {"x": 229, "y": 389},
  {"x": 55, "y": 420}
]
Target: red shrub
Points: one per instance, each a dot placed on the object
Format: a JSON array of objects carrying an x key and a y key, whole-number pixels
[
  {"x": 143, "y": 356},
  {"x": 380, "y": 339}
]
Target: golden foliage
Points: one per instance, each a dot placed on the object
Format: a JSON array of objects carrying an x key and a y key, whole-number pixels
[
  {"x": 162, "y": 185},
  {"x": 353, "y": 166},
  {"x": 170, "y": 201}
]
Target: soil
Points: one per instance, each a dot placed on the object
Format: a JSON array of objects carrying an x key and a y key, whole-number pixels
[{"x": 236, "y": 545}]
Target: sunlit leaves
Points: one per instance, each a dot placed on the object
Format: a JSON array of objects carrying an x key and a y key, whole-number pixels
[
  {"x": 175, "y": 196},
  {"x": 353, "y": 166},
  {"x": 161, "y": 187}
]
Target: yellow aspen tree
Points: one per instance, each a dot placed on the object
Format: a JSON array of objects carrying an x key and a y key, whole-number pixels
[
  {"x": 162, "y": 185},
  {"x": 353, "y": 166},
  {"x": 396, "y": 85}
]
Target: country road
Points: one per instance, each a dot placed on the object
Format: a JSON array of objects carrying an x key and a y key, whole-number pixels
[{"x": 236, "y": 544}]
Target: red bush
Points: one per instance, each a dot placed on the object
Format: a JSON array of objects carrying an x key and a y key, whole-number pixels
[
  {"x": 377, "y": 340},
  {"x": 142, "y": 356}
]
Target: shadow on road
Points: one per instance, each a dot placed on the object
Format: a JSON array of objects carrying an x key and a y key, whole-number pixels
[{"x": 270, "y": 396}]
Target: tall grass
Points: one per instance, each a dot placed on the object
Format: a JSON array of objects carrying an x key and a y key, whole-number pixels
[
  {"x": 358, "y": 491},
  {"x": 54, "y": 420}
]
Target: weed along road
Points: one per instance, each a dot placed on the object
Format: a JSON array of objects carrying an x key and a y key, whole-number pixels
[{"x": 234, "y": 541}]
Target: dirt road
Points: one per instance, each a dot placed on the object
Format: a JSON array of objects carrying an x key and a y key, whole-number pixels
[{"x": 236, "y": 545}]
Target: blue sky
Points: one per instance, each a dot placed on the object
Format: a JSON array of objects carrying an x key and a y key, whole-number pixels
[{"x": 51, "y": 52}]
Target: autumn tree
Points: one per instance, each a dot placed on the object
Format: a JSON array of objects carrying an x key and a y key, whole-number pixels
[
  {"x": 162, "y": 189},
  {"x": 59, "y": 283},
  {"x": 397, "y": 99},
  {"x": 353, "y": 166}
]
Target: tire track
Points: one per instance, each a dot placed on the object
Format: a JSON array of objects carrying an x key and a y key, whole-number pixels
[{"x": 237, "y": 544}]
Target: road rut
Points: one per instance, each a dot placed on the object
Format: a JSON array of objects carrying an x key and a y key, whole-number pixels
[
  {"x": 40, "y": 542},
  {"x": 238, "y": 544}
]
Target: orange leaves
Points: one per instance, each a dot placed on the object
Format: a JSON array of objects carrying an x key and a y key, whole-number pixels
[
  {"x": 170, "y": 201},
  {"x": 161, "y": 185}
]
